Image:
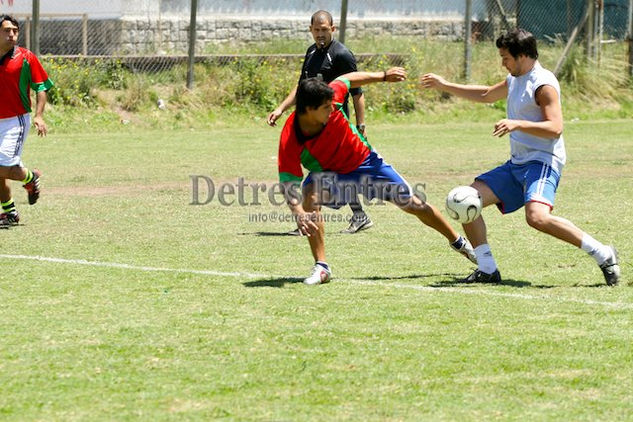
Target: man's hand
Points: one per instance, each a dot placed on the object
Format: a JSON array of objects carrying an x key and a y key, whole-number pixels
[
  {"x": 395, "y": 74},
  {"x": 39, "y": 123},
  {"x": 362, "y": 129},
  {"x": 272, "y": 117},
  {"x": 306, "y": 222},
  {"x": 505, "y": 126},
  {"x": 432, "y": 81}
]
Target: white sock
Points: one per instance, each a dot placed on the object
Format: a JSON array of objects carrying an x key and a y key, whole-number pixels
[
  {"x": 485, "y": 260},
  {"x": 597, "y": 250}
]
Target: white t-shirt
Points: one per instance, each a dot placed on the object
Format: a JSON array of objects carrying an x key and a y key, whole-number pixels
[{"x": 522, "y": 106}]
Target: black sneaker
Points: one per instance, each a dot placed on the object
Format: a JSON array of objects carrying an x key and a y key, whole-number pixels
[
  {"x": 11, "y": 218},
  {"x": 481, "y": 277},
  {"x": 358, "y": 223},
  {"x": 33, "y": 187},
  {"x": 611, "y": 268}
]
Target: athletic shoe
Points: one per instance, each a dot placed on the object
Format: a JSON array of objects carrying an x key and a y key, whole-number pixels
[
  {"x": 33, "y": 187},
  {"x": 4, "y": 223},
  {"x": 466, "y": 250},
  {"x": 358, "y": 223},
  {"x": 319, "y": 275},
  {"x": 611, "y": 268},
  {"x": 481, "y": 277},
  {"x": 11, "y": 218}
]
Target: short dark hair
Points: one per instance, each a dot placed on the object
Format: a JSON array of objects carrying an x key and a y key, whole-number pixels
[
  {"x": 312, "y": 92},
  {"x": 518, "y": 42},
  {"x": 11, "y": 19},
  {"x": 322, "y": 14}
]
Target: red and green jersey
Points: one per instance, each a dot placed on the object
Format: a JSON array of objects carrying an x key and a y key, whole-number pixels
[
  {"x": 20, "y": 71},
  {"x": 339, "y": 147}
]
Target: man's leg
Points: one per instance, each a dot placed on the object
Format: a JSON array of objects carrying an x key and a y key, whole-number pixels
[
  {"x": 13, "y": 173},
  {"x": 430, "y": 216},
  {"x": 476, "y": 232},
  {"x": 317, "y": 240},
  {"x": 360, "y": 220},
  {"x": 321, "y": 272},
  {"x": 8, "y": 214},
  {"x": 13, "y": 133},
  {"x": 5, "y": 191},
  {"x": 539, "y": 216},
  {"x": 30, "y": 179}
]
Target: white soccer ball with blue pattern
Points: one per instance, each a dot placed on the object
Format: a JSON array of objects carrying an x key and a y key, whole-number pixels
[{"x": 463, "y": 204}]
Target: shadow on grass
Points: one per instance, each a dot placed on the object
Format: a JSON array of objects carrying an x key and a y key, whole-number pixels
[
  {"x": 268, "y": 234},
  {"x": 272, "y": 282},
  {"x": 459, "y": 281},
  {"x": 402, "y": 277},
  {"x": 455, "y": 281}
]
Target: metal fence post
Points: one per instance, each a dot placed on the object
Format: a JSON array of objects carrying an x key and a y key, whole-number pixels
[
  {"x": 630, "y": 37},
  {"x": 35, "y": 28},
  {"x": 467, "y": 39},
  {"x": 84, "y": 34},
  {"x": 192, "y": 43},
  {"x": 343, "y": 24},
  {"x": 27, "y": 31},
  {"x": 589, "y": 31}
]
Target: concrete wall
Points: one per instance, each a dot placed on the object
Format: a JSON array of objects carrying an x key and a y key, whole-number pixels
[
  {"x": 171, "y": 35},
  {"x": 161, "y": 26}
]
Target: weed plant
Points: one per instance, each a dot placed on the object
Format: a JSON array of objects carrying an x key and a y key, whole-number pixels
[{"x": 254, "y": 87}]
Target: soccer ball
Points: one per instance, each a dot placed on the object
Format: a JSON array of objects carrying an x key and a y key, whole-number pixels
[{"x": 463, "y": 204}]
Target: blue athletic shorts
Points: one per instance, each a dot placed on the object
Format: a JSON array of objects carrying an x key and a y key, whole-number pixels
[
  {"x": 517, "y": 184},
  {"x": 373, "y": 179}
]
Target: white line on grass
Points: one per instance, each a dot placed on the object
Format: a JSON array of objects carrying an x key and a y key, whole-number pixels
[
  {"x": 131, "y": 267},
  {"x": 616, "y": 305}
]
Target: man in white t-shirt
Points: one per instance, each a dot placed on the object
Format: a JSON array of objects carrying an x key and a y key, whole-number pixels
[{"x": 535, "y": 125}]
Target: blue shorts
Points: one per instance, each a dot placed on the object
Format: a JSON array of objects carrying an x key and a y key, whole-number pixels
[
  {"x": 517, "y": 184},
  {"x": 373, "y": 179}
]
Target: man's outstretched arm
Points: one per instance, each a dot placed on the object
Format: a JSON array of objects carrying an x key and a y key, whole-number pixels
[
  {"x": 288, "y": 102},
  {"x": 477, "y": 93},
  {"x": 356, "y": 79}
]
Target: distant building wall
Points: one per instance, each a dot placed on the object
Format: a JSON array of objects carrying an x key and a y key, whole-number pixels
[
  {"x": 150, "y": 26},
  {"x": 173, "y": 34}
]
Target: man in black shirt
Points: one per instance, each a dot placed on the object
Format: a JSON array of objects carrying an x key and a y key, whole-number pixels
[{"x": 328, "y": 59}]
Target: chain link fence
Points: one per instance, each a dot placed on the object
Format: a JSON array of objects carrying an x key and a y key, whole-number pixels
[{"x": 151, "y": 37}]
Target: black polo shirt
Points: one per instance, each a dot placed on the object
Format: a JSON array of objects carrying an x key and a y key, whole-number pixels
[{"x": 330, "y": 62}]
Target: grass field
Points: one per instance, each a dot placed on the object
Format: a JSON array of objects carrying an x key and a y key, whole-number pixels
[{"x": 143, "y": 307}]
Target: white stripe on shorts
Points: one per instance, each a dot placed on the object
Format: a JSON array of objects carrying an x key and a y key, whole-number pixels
[{"x": 13, "y": 133}]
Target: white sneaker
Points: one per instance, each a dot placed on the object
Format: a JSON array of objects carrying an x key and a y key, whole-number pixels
[
  {"x": 467, "y": 250},
  {"x": 319, "y": 275}
]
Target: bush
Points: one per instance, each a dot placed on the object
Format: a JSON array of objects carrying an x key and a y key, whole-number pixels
[{"x": 256, "y": 87}]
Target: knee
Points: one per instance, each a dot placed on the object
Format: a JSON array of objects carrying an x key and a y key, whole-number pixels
[
  {"x": 537, "y": 220},
  {"x": 311, "y": 203},
  {"x": 416, "y": 207}
]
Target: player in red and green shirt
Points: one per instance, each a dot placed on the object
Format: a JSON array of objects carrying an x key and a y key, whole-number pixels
[
  {"x": 20, "y": 71},
  {"x": 319, "y": 137}
]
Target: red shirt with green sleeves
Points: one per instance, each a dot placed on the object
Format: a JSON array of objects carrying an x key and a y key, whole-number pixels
[
  {"x": 20, "y": 71},
  {"x": 339, "y": 147}
]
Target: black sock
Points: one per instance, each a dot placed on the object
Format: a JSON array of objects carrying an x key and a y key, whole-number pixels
[
  {"x": 324, "y": 265},
  {"x": 458, "y": 243}
]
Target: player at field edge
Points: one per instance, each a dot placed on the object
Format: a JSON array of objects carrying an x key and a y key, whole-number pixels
[
  {"x": 329, "y": 58},
  {"x": 318, "y": 136},
  {"x": 20, "y": 71},
  {"x": 531, "y": 176}
]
